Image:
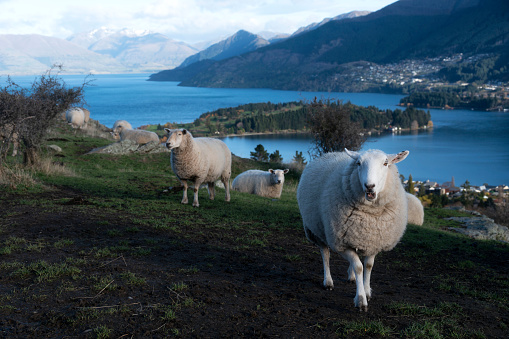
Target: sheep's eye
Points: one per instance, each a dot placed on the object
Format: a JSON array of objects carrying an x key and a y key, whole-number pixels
[
  {"x": 358, "y": 163},
  {"x": 386, "y": 163}
]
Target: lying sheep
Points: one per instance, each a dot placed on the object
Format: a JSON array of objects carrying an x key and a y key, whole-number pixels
[
  {"x": 75, "y": 117},
  {"x": 354, "y": 204},
  {"x": 118, "y": 126},
  {"x": 9, "y": 135},
  {"x": 137, "y": 135},
  {"x": 267, "y": 184},
  {"x": 415, "y": 210},
  {"x": 200, "y": 160}
]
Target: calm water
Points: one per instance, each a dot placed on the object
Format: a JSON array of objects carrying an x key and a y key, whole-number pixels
[{"x": 468, "y": 145}]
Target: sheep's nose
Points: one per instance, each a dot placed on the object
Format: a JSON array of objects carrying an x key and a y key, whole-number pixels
[{"x": 370, "y": 187}]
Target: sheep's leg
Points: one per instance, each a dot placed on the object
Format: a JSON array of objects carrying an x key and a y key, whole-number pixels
[
  {"x": 360, "y": 299},
  {"x": 327, "y": 278},
  {"x": 368, "y": 266},
  {"x": 226, "y": 183},
  {"x": 210, "y": 187},
  {"x": 351, "y": 273},
  {"x": 184, "y": 197},
  {"x": 197, "y": 185}
]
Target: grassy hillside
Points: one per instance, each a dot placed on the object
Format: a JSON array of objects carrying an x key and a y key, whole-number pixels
[{"x": 93, "y": 247}]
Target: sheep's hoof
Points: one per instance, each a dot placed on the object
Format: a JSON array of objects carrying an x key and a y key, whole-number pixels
[
  {"x": 361, "y": 303},
  {"x": 328, "y": 286},
  {"x": 196, "y": 205}
]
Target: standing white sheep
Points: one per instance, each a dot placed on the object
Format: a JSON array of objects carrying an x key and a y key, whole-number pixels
[
  {"x": 75, "y": 117},
  {"x": 119, "y": 126},
  {"x": 200, "y": 160},
  {"x": 263, "y": 183},
  {"x": 415, "y": 210},
  {"x": 354, "y": 204}
]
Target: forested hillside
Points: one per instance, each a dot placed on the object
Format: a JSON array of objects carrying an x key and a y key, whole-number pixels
[{"x": 292, "y": 116}]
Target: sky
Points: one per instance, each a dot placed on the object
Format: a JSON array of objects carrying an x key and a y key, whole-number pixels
[{"x": 190, "y": 21}]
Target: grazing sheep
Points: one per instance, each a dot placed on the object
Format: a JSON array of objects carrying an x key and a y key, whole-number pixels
[
  {"x": 267, "y": 184},
  {"x": 415, "y": 210},
  {"x": 8, "y": 134},
  {"x": 139, "y": 136},
  {"x": 353, "y": 203},
  {"x": 75, "y": 117},
  {"x": 200, "y": 160},
  {"x": 118, "y": 126}
]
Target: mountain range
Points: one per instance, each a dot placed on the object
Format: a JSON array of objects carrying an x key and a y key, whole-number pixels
[
  {"x": 406, "y": 29},
  {"x": 106, "y": 50}
]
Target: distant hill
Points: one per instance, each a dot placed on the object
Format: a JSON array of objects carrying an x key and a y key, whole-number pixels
[
  {"x": 136, "y": 50},
  {"x": 349, "y": 15},
  {"x": 406, "y": 29},
  {"x": 239, "y": 43},
  {"x": 35, "y": 54}
]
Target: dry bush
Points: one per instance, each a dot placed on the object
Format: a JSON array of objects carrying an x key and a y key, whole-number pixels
[
  {"x": 333, "y": 130},
  {"x": 499, "y": 213},
  {"x": 15, "y": 176},
  {"x": 49, "y": 167}
]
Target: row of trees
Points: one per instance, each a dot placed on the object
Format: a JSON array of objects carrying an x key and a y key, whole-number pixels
[
  {"x": 442, "y": 99},
  {"x": 268, "y": 117}
]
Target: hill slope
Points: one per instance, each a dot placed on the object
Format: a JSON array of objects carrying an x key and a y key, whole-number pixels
[{"x": 406, "y": 29}]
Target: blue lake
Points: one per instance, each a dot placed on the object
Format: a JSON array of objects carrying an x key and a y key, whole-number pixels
[{"x": 469, "y": 145}]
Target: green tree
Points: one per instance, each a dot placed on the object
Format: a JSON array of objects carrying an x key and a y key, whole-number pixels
[
  {"x": 260, "y": 154},
  {"x": 298, "y": 158},
  {"x": 276, "y": 157},
  {"x": 410, "y": 187}
]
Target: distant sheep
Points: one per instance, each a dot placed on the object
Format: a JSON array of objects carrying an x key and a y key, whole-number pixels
[
  {"x": 200, "y": 160},
  {"x": 267, "y": 184},
  {"x": 353, "y": 203},
  {"x": 139, "y": 136},
  {"x": 76, "y": 117},
  {"x": 8, "y": 134},
  {"x": 118, "y": 126},
  {"x": 415, "y": 210}
]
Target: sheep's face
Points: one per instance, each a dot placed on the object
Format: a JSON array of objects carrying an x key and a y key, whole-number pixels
[
  {"x": 277, "y": 177},
  {"x": 373, "y": 168},
  {"x": 175, "y": 137}
]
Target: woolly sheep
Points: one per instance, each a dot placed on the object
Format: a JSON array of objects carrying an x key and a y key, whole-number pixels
[
  {"x": 415, "y": 210},
  {"x": 118, "y": 126},
  {"x": 75, "y": 117},
  {"x": 7, "y": 134},
  {"x": 200, "y": 160},
  {"x": 139, "y": 136},
  {"x": 267, "y": 184},
  {"x": 353, "y": 203}
]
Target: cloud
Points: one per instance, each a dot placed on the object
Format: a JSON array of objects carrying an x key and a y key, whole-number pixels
[{"x": 185, "y": 20}]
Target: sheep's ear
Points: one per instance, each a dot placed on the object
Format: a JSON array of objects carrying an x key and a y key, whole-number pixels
[
  {"x": 167, "y": 130},
  {"x": 395, "y": 158},
  {"x": 286, "y": 171},
  {"x": 351, "y": 154},
  {"x": 271, "y": 171}
]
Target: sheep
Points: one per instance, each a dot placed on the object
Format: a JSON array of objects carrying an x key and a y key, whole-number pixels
[
  {"x": 8, "y": 134},
  {"x": 200, "y": 160},
  {"x": 118, "y": 126},
  {"x": 139, "y": 136},
  {"x": 267, "y": 184},
  {"x": 75, "y": 117},
  {"x": 415, "y": 210},
  {"x": 353, "y": 203}
]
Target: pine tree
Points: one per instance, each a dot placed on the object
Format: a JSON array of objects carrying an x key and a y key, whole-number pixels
[
  {"x": 411, "y": 188},
  {"x": 276, "y": 157},
  {"x": 260, "y": 154}
]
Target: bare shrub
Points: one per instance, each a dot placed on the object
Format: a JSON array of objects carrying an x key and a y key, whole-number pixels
[
  {"x": 32, "y": 111},
  {"x": 331, "y": 126}
]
